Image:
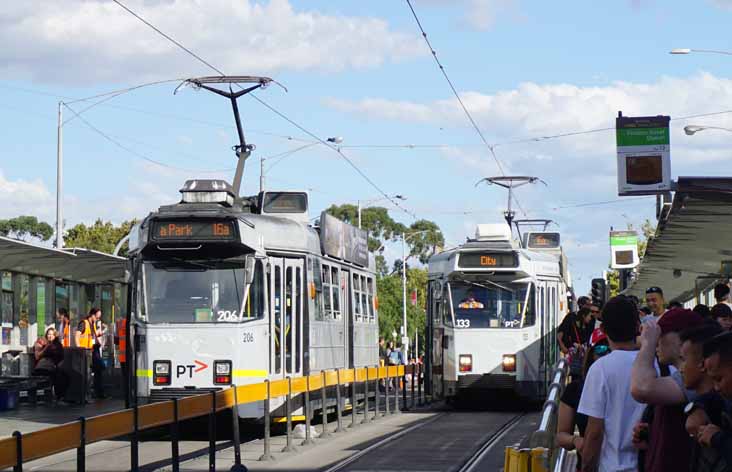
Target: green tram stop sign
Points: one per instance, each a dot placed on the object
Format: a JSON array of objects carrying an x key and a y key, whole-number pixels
[{"x": 644, "y": 159}]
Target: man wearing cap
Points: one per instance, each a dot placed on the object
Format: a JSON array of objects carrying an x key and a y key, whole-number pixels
[
  {"x": 655, "y": 301},
  {"x": 668, "y": 446}
]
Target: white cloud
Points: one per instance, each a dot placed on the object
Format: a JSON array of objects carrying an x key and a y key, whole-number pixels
[
  {"x": 86, "y": 41},
  {"x": 25, "y": 197}
]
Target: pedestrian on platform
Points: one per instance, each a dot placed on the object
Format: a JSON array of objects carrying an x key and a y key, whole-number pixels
[
  {"x": 656, "y": 303},
  {"x": 667, "y": 445},
  {"x": 49, "y": 354},
  {"x": 718, "y": 364},
  {"x": 87, "y": 338},
  {"x": 64, "y": 326},
  {"x": 606, "y": 400},
  {"x": 722, "y": 313},
  {"x": 568, "y": 418},
  {"x": 708, "y": 406}
]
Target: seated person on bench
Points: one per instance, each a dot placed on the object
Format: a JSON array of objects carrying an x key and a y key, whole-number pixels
[{"x": 49, "y": 353}]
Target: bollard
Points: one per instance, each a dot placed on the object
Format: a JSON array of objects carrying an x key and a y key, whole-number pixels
[
  {"x": 339, "y": 413},
  {"x": 414, "y": 371},
  {"x": 288, "y": 411},
  {"x": 419, "y": 385},
  {"x": 134, "y": 443},
  {"x": 212, "y": 434},
  {"x": 308, "y": 411},
  {"x": 386, "y": 396},
  {"x": 81, "y": 450},
  {"x": 354, "y": 404},
  {"x": 18, "y": 451},
  {"x": 324, "y": 408},
  {"x": 174, "y": 438},
  {"x": 237, "y": 467},
  {"x": 267, "y": 420},
  {"x": 377, "y": 394},
  {"x": 398, "y": 382},
  {"x": 366, "y": 419}
]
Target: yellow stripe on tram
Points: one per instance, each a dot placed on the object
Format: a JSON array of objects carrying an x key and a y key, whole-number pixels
[
  {"x": 250, "y": 373},
  {"x": 144, "y": 373}
]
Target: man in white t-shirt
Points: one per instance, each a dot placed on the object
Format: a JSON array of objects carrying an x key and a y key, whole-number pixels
[{"x": 606, "y": 400}]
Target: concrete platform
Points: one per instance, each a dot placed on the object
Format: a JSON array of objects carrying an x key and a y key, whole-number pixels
[{"x": 27, "y": 418}]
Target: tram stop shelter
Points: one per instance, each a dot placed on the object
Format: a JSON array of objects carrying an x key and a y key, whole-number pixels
[
  {"x": 691, "y": 242},
  {"x": 35, "y": 281}
]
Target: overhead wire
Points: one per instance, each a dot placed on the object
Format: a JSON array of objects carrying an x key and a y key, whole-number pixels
[{"x": 271, "y": 108}]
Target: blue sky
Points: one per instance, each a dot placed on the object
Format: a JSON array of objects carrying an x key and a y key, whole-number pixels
[{"x": 359, "y": 70}]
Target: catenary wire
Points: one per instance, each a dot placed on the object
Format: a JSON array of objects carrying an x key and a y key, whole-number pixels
[{"x": 274, "y": 110}]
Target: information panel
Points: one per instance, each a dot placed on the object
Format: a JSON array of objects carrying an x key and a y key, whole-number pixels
[
  {"x": 487, "y": 260},
  {"x": 644, "y": 160},
  {"x": 543, "y": 240},
  {"x": 623, "y": 249},
  {"x": 194, "y": 230}
]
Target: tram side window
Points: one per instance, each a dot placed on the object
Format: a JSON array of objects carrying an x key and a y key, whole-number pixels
[
  {"x": 254, "y": 307},
  {"x": 357, "y": 311},
  {"x": 336, "y": 290},
  {"x": 318, "y": 282},
  {"x": 530, "y": 317},
  {"x": 370, "y": 299},
  {"x": 446, "y": 315},
  {"x": 327, "y": 295}
]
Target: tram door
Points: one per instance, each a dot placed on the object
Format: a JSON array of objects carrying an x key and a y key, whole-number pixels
[{"x": 286, "y": 301}]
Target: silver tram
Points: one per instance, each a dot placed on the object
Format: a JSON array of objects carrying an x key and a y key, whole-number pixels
[
  {"x": 229, "y": 290},
  {"x": 493, "y": 308}
]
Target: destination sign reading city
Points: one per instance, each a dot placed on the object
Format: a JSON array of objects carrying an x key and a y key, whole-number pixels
[
  {"x": 194, "y": 230},
  {"x": 481, "y": 260}
]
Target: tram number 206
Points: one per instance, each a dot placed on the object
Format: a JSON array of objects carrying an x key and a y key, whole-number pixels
[{"x": 226, "y": 315}]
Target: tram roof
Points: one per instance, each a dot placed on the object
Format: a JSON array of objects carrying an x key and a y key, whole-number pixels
[
  {"x": 73, "y": 264},
  {"x": 690, "y": 241}
]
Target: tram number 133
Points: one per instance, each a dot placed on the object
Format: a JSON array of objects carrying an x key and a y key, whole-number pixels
[{"x": 462, "y": 323}]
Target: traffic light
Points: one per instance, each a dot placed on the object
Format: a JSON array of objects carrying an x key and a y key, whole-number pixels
[{"x": 598, "y": 292}]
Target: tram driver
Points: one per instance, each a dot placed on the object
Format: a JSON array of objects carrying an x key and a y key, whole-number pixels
[{"x": 470, "y": 302}]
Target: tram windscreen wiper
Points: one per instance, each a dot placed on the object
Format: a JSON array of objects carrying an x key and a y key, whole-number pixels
[{"x": 476, "y": 284}]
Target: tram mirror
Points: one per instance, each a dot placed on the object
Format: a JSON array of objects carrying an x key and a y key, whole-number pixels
[{"x": 249, "y": 269}]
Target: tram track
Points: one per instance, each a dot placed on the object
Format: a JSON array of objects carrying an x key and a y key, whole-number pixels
[{"x": 449, "y": 441}]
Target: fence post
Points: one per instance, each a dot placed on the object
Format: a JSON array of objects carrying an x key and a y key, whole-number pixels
[
  {"x": 414, "y": 371},
  {"x": 339, "y": 413},
  {"x": 267, "y": 420},
  {"x": 403, "y": 387},
  {"x": 377, "y": 393},
  {"x": 174, "y": 438},
  {"x": 237, "y": 467},
  {"x": 386, "y": 396},
  {"x": 354, "y": 403},
  {"x": 212, "y": 434},
  {"x": 18, "y": 451},
  {"x": 288, "y": 411},
  {"x": 308, "y": 411},
  {"x": 366, "y": 419},
  {"x": 324, "y": 407},
  {"x": 81, "y": 450},
  {"x": 134, "y": 444}
]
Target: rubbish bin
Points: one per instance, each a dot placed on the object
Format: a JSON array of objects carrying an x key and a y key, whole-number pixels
[{"x": 77, "y": 366}]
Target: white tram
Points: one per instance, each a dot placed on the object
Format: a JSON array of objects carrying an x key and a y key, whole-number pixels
[
  {"x": 493, "y": 308},
  {"x": 230, "y": 290}
]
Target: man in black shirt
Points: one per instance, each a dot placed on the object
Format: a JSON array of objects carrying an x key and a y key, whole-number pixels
[{"x": 574, "y": 329}]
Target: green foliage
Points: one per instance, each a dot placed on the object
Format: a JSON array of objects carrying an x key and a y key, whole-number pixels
[
  {"x": 425, "y": 240},
  {"x": 389, "y": 289},
  {"x": 101, "y": 236},
  {"x": 22, "y": 227}
]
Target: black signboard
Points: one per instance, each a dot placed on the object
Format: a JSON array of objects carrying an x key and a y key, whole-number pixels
[
  {"x": 488, "y": 260},
  {"x": 194, "y": 230}
]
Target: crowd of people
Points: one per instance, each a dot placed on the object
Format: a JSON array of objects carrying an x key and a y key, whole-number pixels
[
  {"x": 651, "y": 385},
  {"x": 89, "y": 334}
]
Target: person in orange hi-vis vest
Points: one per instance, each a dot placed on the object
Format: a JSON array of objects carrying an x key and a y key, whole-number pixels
[
  {"x": 64, "y": 326},
  {"x": 86, "y": 338},
  {"x": 120, "y": 339}
]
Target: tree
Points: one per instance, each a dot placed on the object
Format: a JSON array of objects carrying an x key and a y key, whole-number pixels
[
  {"x": 389, "y": 290},
  {"x": 427, "y": 238},
  {"x": 101, "y": 236},
  {"x": 23, "y": 227},
  {"x": 648, "y": 231}
]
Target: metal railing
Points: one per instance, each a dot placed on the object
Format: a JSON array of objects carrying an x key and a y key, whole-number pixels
[
  {"x": 542, "y": 455},
  {"x": 22, "y": 448}
]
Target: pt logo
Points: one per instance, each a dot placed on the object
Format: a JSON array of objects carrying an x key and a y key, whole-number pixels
[{"x": 182, "y": 369}]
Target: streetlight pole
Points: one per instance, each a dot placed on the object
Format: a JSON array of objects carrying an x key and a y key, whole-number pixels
[
  {"x": 369, "y": 202},
  {"x": 59, "y": 178}
]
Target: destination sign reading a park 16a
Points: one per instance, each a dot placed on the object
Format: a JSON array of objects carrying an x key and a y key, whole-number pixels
[
  {"x": 209, "y": 230},
  {"x": 487, "y": 260}
]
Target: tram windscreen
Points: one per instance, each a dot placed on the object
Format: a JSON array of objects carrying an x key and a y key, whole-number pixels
[
  {"x": 201, "y": 292},
  {"x": 488, "y": 306}
]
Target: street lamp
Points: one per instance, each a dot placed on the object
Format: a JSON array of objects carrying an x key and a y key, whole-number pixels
[
  {"x": 680, "y": 51},
  {"x": 376, "y": 200},
  {"x": 691, "y": 130}
]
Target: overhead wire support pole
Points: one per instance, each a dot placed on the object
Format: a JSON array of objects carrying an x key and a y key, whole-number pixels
[{"x": 59, "y": 177}]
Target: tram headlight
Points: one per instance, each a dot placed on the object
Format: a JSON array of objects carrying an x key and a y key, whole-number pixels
[
  {"x": 465, "y": 362},
  {"x": 161, "y": 373},
  {"x": 509, "y": 362},
  {"x": 222, "y": 372}
]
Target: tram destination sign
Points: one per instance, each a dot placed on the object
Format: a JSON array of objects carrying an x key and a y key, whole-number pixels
[
  {"x": 487, "y": 260},
  {"x": 194, "y": 230}
]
